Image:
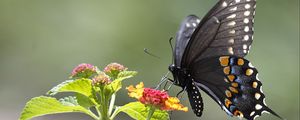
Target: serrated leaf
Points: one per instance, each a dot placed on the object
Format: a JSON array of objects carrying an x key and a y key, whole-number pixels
[
  {"x": 126, "y": 74},
  {"x": 139, "y": 111},
  {"x": 43, "y": 105}
]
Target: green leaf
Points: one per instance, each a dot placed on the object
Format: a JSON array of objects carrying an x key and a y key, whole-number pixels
[
  {"x": 114, "y": 86},
  {"x": 43, "y": 105},
  {"x": 84, "y": 101},
  {"x": 69, "y": 101},
  {"x": 139, "y": 111},
  {"x": 126, "y": 74},
  {"x": 82, "y": 86}
]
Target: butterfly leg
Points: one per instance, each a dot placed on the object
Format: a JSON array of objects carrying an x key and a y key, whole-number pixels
[{"x": 181, "y": 91}]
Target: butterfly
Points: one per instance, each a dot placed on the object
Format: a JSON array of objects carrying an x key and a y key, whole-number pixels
[{"x": 209, "y": 56}]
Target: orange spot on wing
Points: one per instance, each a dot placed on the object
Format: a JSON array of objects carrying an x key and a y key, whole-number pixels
[
  {"x": 240, "y": 61},
  {"x": 224, "y": 60},
  {"x": 226, "y": 70},
  {"x": 234, "y": 84},
  {"x": 231, "y": 77},
  {"x": 254, "y": 84},
  {"x": 232, "y": 89},
  {"x": 227, "y": 103},
  {"x": 228, "y": 93},
  {"x": 249, "y": 72},
  {"x": 238, "y": 113}
]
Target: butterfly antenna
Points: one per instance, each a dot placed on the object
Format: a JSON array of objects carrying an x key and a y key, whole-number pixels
[
  {"x": 171, "y": 45},
  {"x": 147, "y": 52}
]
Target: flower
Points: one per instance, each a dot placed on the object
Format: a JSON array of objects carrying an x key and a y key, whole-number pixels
[
  {"x": 137, "y": 91},
  {"x": 156, "y": 98},
  {"x": 113, "y": 69},
  {"x": 83, "y": 70},
  {"x": 173, "y": 104},
  {"x": 101, "y": 78}
]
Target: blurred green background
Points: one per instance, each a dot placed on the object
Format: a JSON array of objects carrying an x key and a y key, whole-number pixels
[{"x": 42, "y": 40}]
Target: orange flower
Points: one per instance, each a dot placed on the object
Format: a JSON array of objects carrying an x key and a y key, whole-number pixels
[
  {"x": 173, "y": 104},
  {"x": 156, "y": 98},
  {"x": 137, "y": 91}
]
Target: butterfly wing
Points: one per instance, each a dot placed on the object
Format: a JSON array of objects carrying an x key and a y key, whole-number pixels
[
  {"x": 227, "y": 29},
  {"x": 183, "y": 36},
  {"x": 233, "y": 83}
]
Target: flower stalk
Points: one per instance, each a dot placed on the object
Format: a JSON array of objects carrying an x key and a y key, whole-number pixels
[{"x": 151, "y": 112}]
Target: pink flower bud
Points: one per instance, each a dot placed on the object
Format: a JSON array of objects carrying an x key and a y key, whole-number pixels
[{"x": 83, "y": 70}]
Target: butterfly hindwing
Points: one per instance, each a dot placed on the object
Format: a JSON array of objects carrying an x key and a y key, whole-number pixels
[{"x": 233, "y": 83}]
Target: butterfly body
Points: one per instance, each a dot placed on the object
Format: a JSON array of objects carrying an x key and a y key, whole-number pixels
[{"x": 209, "y": 56}]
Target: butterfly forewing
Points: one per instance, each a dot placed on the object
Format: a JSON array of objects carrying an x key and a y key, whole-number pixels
[
  {"x": 183, "y": 36},
  {"x": 226, "y": 30}
]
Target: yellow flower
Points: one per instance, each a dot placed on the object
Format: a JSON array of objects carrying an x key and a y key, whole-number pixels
[
  {"x": 137, "y": 91},
  {"x": 173, "y": 104}
]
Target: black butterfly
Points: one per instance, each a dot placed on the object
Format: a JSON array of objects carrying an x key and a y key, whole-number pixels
[{"x": 209, "y": 55}]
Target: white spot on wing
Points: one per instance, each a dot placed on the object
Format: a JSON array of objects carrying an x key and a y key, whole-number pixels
[
  {"x": 232, "y": 23},
  {"x": 247, "y": 13},
  {"x": 224, "y": 4},
  {"x": 231, "y": 16},
  {"x": 194, "y": 24},
  {"x": 246, "y": 20},
  {"x": 255, "y": 117},
  {"x": 257, "y": 96},
  {"x": 258, "y": 106},
  {"x": 188, "y": 25},
  {"x": 252, "y": 113},
  {"x": 246, "y": 29},
  {"x": 233, "y": 9},
  {"x": 230, "y": 50},
  {"x": 231, "y": 40},
  {"x": 247, "y": 6},
  {"x": 246, "y": 37},
  {"x": 245, "y": 46},
  {"x": 250, "y": 65}
]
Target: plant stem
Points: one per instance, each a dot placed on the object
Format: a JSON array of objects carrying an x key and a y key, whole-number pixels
[
  {"x": 98, "y": 111},
  {"x": 112, "y": 103},
  {"x": 116, "y": 111},
  {"x": 104, "y": 107},
  {"x": 150, "y": 113},
  {"x": 92, "y": 115}
]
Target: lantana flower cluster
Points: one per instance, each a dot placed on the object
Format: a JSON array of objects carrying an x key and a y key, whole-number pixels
[
  {"x": 85, "y": 70},
  {"x": 156, "y": 98}
]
